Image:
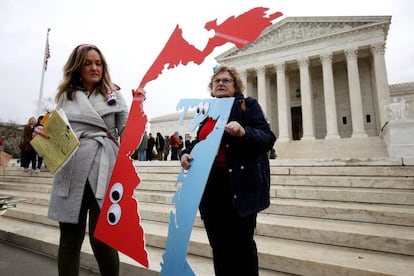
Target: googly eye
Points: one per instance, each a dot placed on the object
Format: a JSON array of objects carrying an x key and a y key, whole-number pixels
[
  {"x": 116, "y": 192},
  {"x": 114, "y": 214},
  {"x": 199, "y": 109},
  {"x": 206, "y": 106},
  {"x": 202, "y": 108}
]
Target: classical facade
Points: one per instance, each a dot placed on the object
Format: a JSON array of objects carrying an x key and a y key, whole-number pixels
[
  {"x": 318, "y": 77},
  {"x": 322, "y": 82}
]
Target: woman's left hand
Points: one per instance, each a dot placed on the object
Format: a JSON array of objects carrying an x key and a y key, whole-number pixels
[
  {"x": 185, "y": 161},
  {"x": 235, "y": 129}
]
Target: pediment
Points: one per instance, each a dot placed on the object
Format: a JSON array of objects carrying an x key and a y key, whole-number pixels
[{"x": 293, "y": 30}]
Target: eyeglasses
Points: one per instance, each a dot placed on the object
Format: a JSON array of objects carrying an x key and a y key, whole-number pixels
[{"x": 224, "y": 81}]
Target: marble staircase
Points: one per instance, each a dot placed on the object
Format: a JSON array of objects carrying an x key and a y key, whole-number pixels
[{"x": 327, "y": 217}]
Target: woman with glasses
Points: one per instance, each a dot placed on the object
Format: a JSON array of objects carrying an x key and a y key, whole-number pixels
[
  {"x": 97, "y": 112},
  {"x": 239, "y": 181}
]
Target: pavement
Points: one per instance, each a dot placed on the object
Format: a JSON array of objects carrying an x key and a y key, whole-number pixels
[{"x": 16, "y": 261}]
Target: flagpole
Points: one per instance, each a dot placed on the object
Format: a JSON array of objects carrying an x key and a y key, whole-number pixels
[{"x": 44, "y": 65}]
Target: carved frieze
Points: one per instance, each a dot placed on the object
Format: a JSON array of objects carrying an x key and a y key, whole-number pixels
[{"x": 292, "y": 32}]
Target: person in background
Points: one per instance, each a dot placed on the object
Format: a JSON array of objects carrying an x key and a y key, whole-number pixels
[
  {"x": 39, "y": 159},
  {"x": 239, "y": 182},
  {"x": 180, "y": 144},
  {"x": 189, "y": 143},
  {"x": 175, "y": 145},
  {"x": 28, "y": 154},
  {"x": 166, "y": 149},
  {"x": 159, "y": 145},
  {"x": 150, "y": 147},
  {"x": 97, "y": 113},
  {"x": 142, "y": 148}
]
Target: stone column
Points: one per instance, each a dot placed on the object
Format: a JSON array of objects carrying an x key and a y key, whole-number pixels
[
  {"x": 381, "y": 82},
  {"x": 282, "y": 102},
  {"x": 261, "y": 88},
  {"x": 358, "y": 128},
  {"x": 329, "y": 96},
  {"x": 243, "y": 77},
  {"x": 306, "y": 99}
]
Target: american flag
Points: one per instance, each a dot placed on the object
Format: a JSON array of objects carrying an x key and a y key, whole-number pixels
[{"x": 47, "y": 50}]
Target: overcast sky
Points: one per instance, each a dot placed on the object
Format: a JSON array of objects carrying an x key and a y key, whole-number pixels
[{"x": 131, "y": 34}]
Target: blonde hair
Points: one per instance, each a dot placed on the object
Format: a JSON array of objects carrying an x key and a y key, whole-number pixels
[{"x": 72, "y": 80}]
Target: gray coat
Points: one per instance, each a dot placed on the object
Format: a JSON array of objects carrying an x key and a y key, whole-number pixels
[{"x": 95, "y": 157}]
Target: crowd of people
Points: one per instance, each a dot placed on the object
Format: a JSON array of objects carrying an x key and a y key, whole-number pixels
[{"x": 162, "y": 148}]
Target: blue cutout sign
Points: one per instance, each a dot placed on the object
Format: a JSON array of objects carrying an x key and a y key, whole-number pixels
[{"x": 188, "y": 195}]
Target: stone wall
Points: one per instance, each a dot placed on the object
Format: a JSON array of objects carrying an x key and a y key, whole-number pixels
[{"x": 12, "y": 135}]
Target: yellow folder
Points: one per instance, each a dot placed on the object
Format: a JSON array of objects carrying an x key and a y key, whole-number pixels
[{"x": 60, "y": 145}]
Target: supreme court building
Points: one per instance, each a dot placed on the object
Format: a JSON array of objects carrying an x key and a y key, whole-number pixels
[{"x": 322, "y": 82}]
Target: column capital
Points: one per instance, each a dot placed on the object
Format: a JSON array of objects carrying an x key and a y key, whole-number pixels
[
  {"x": 351, "y": 54},
  {"x": 303, "y": 61},
  {"x": 326, "y": 57},
  {"x": 260, "y": 70},
  {"x": 378, "y": 48},
  {"x": 280, "y": 67}
]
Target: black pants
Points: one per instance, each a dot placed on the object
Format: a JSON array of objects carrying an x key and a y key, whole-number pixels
[
  {"x": 174, "y": 153},
  {"x": 39, "y": 161},
  {"x": 72, "y": 236},
  {"x": 231, "y": 237},
  {"x": 27, "y": 157}
]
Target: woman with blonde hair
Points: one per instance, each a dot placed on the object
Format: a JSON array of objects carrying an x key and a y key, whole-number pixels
[{"x": 97, "y": 112}]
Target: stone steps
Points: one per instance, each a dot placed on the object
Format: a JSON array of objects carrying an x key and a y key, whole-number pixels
[
  {"x": 367, "y": 146},
  {"x": 393, "y": 238},
  {"x": 340, "y": 181},
  {"x": 386, "y": 196},
  {"x": 377, "y": 195},
  {"x": 44, "y": 239},
  {"x": 348, "y": 211},
  {"x": 337, "y": 210},
  {"x": 290, "y": 256},
  {"x": 343, "y": 217}
]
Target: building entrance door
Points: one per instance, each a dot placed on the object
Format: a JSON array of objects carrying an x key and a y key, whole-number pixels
[{"x": 297, "y": 130}]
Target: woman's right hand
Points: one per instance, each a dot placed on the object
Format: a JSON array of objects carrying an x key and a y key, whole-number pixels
[
  {"x": 139, "y": 92},
  {"x": 186, "y": 161}
]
